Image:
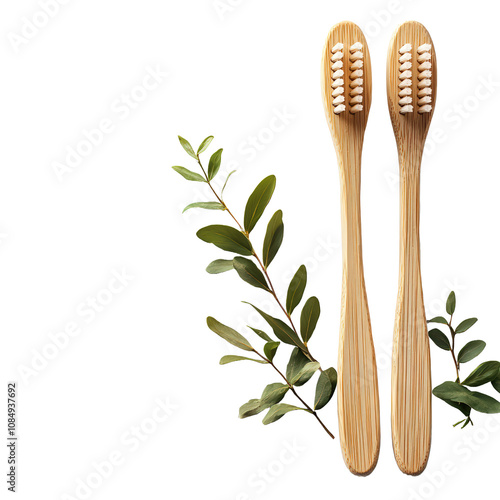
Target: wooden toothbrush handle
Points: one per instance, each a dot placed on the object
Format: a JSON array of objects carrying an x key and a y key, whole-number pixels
[
  {"x": 358, "y": 401},
  {"x": 411, "y": 369}
]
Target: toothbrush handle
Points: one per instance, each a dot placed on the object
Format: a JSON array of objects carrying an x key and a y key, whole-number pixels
[
  {"x": 411, "y": 369},
  {"x": 358, "y": 401}
]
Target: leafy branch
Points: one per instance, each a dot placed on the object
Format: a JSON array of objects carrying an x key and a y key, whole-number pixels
[
  {"x": 454, "y": 392},
  {"x": 302, "y": 365}
]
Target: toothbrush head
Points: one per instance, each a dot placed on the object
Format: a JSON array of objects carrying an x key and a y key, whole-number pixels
[
  {"x": 346, "y": 78},
  {"x": 411, "y": 80}
]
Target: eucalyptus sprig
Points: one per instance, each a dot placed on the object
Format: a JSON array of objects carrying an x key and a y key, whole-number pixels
[
  {"x": 455, "y": 393},
  {"x": 302, "y": 365}
]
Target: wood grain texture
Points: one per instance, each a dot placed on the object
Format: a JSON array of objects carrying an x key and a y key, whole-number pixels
[
  {"x": 411, "y": 369},
  {"x": 358, "y": 401}
]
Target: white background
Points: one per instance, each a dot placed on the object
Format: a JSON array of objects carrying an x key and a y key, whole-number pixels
[{"x": 230, "y": 70}]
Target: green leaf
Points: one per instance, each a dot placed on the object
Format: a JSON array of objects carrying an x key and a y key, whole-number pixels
[
  {"x": 471, "y": 350},
  {"x": 231, "y": 359},
  {"x": 219, "y": 266},
  {"x": 205, "y": 143},
  {"x": 484, "y": 373},
  {"x": 227, "y": 238},
  {"x": 270, "y": 349},
  {"x": 325, "y": 388},
  {"x": 273, "y": 238},
  {"x": 189, "y": 175},
  {"x": 296, "y": 371},
  {"x": 207, "y": 205},
  {"x": 465, "y": 325},
  {"x": 280, "y": 329},
  {"x": 306, "y": 373},
  {"x": 228, "y": 334},
  {"x": 253, "y": 407},
  {"x": 273, "y": 394},
  {"x": 227, "y": 178},
  {"x": 440, "y": 339},
  {"x": 249, "y": 272},
  {"x": 460, "y": 394},
  {"x": 451, "y": 303},
  {"x": 465, "y": 409},
  {"x": 297, "y": 361},
  {"x": 308, "y": 318},
  {"x": 438, "y": 319},
  {"x": 214, "y": 164},
  {"x": 261, "y": 334},
  {"x": 187, "y": 147},
  {"x": 277, "y": 411},
  {"x": 258, "y": 201},
  {"x": 496, "y": 383},
  {"x": 484, "y": 403},
  {"x": 296, "y": 289}
]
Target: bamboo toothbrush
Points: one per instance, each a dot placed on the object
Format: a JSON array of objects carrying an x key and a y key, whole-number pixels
[
  {"x": 346, "y": 86},
  {"x": 411, "y": 93}
]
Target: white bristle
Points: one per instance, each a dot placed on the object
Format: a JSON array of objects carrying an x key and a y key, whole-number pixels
[
  {"x": 406, "y": 109},
  {"x": 424, "y": 78},
  {"x": 337, "y": 80},
  {"x": 427, "y": 108},
  {"x": 405, "y": 76},
  {"x": 337, "y": 56},
  {"x": 356, "y": 56},
  {"x": 426, "y": 56},
  {"x": 355, "y": 47},
  {"x": 356, "y": 84},
  {"x": 426, "y": 47},
  {"x": 424, "y": 83},
  {"x": 356, "y": 74}
]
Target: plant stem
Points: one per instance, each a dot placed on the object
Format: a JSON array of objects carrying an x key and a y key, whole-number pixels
[
  {"x": 264, "y": 270},
  {"x": 292, "y": 388},
  {"x": 219, "y": 198},
  {"x": 456, "y": 363},
  {"x": 275, "y": 295}
]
